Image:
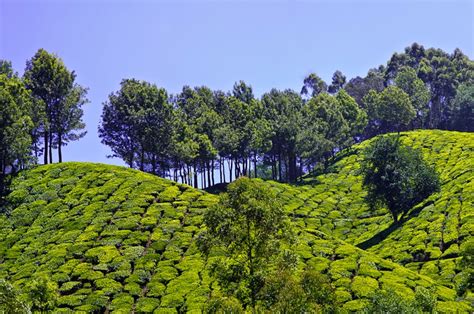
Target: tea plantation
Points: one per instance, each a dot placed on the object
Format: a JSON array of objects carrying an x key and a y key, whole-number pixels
[{"x": 116, "y": 239}]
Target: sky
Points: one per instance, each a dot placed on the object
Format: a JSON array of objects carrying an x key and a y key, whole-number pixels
[{"x": 268, "y": 44}]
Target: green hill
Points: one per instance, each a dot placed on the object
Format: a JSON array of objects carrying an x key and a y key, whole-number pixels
[
  {"x": 429, "y": 239},
  {"x": 119, "y": 239}
]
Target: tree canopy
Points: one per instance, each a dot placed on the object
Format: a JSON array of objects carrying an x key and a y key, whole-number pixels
[{"x": 396, "y": 176}]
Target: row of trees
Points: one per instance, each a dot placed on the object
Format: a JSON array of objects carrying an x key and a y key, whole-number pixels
[
  {"x": 39, "y": 112},
  {"x": 200, "y": 134},
  {"x": 199, "y": 130}
]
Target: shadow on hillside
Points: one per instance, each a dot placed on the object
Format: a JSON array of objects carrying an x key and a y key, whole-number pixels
[
  {"x": 217, "y": 188},
  {"x": 382, "y": 235}
]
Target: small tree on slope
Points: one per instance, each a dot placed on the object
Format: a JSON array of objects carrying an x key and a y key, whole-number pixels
[
  {"x": 247, "y": 228},
  {"x": 396, "y": 176}
]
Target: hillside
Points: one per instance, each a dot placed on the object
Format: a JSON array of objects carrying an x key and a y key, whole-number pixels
[
  {"x": 122, "y": 240},
  {"x": 429, "y": 239}
]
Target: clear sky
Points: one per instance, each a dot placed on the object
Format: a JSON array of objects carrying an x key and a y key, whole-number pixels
[{"x": 215, "y": 43}]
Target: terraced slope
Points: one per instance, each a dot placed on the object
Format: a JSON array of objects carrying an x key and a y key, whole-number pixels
[
  {"x": 120, "y": 240},
  {"x": 431, "y": 235}
]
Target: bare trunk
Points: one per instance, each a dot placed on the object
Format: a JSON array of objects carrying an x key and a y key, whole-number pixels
[
  {"x": 60, "y": 152},
  {"x": 50, "y": 147},
  {"x": 195, "y": 176},
  {"x": 255, "y": 164}
]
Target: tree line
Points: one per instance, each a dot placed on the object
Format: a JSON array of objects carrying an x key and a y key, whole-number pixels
[{"x": 202, "y": 137}]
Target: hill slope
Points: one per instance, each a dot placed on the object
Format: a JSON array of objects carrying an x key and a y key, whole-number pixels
[
  {"x": 119, "y": 239},
  {"x": 429, "y": 239}
]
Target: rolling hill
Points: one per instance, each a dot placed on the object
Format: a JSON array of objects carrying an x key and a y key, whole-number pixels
[{"x": 121, "y": 240}]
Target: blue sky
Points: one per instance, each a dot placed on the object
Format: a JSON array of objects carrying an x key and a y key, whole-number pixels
[{"x": 215, "y": 43}]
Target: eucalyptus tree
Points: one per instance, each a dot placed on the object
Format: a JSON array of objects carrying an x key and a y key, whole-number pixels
[
  {"x": 197, "y": 107},
  {"x": 325, "y": 129},
  {"x": 358, "y": 87},
  {"x": 440, "y": 71},
  {"x": 338, "y": 82},
  {"x": 58, "y": 101},
  {"x": 313, "y": 85}
]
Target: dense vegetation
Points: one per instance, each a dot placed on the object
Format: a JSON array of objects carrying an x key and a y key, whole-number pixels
[{"x": 119, "y": 239}]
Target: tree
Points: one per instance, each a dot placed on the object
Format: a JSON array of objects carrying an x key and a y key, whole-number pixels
[
  {"x": 311, "y": 293},
  {"x": 15, "y": 128},
  {"x": 282, "y": 109},
  {"x": 358, "y": 87},
  {"x": 355, "y": 117},
  {"x": 58, "y": 101},
  {"x": 313, "y": 85},
  {"x": 440, "y": 71},
  {"x": 137, "y": 124},
  {"x": 42, "y": 294},
  {"x": 338, "y": 82},
  {"x": 249, "y": 226},
  {"x": 462, "y": 109},
  {"x": 10, "y": 301},
  {"x": 396, "y": 176},
  {"x": 68, "y": 125},
  {"x": 324, "y": 129},
  {"x": 388, "y": 111},
  {"x": 6, "y": 68},
  {"x": 408, "y": 81}
]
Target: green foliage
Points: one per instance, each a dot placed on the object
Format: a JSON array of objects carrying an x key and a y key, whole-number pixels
[
  {"x": 249, "y": 226},
  {"x": 10, "y": 301},
  {"x": 42, "y": 294},
  {"x": 58, "y": 111},
  {"x": 396, "y": 176},
  {"x": 462, "y": 108}
]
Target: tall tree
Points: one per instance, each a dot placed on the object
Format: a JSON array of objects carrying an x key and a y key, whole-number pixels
[
  {"x": 358, "y": 87},
  {"x": 313, "y": 85},
  {"x": 338, "y": 82},
  {"x": 283, "y": 111},
  {"x": 58, "y": 101},
  {"x": 137, "y": 124},
  {"x": 462, "y": 109}
]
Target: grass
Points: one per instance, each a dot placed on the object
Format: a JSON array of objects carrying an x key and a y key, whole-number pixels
[{"x": 119, "y": 239}]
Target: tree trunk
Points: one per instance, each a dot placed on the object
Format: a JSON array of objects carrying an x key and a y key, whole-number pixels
[
  {"x": 255, "y": 164},
  {"x": 279, "y": 167},
  {"x": 292, "y": 167},
  {"x": 195, "y": 176},
  {"x": 50, "y": 147},
  {"x": 46, "y": 141},
  {"x": 60, "y": 153},
  {"x": 209, "y": 173}
]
